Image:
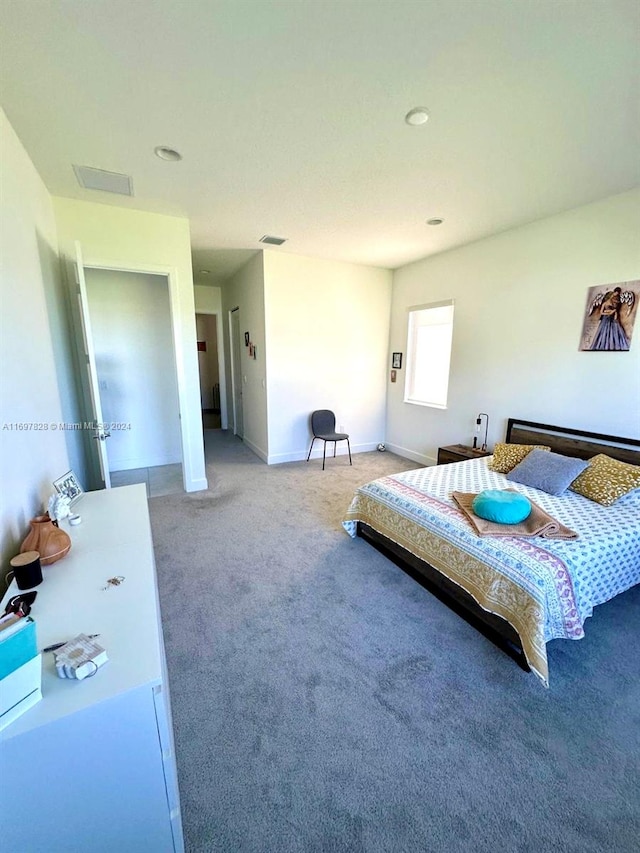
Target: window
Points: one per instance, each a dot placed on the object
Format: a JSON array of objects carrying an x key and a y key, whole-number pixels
[{"x": 429, "y": 354}]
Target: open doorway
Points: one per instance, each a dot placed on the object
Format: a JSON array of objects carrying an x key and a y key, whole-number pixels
[
  {"x": 136, "y": 371},
  {"x": 209, "y": 367}
]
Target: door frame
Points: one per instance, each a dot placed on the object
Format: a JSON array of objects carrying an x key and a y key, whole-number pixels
[
  {"x": 235, "y": 368},
  {"x": 184, "y": 415},
  {"x": 100, "y": 434}
]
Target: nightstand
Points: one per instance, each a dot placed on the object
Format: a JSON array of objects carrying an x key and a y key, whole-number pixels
[{"x": 458, "y": 453}]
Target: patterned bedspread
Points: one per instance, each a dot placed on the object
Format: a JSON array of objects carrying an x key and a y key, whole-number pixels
[{"x": 544, "y": 588}]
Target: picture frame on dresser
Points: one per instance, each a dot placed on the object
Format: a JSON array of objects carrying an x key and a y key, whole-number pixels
[{"x": 69, "y": 487}]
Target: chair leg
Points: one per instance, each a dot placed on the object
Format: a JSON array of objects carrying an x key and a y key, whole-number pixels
[
  {"x": 311, "y": 448},
  {"x": 349, "y": 446},
  {"x": 335, "y": 444},
  {"x": 324, "y": 451}
]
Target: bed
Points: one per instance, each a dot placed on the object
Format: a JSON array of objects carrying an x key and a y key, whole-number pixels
[{"x": 520, "y": 592}]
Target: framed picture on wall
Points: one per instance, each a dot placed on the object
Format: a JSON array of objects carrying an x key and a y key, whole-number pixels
[
  {"x": 246, "y": 339},
  {"x": 396, "y": 361},
  {"x": 610, "y": 316}
]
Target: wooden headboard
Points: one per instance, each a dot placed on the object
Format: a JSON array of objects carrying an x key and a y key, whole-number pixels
[{"x": 573, "y": 442}]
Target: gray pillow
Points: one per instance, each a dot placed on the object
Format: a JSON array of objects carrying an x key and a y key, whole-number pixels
[{"x": 549, "y": 472}]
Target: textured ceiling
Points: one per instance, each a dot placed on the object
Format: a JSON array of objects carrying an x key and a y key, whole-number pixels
[{"x": 289, "y": 115}]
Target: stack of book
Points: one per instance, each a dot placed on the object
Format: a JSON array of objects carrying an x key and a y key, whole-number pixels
[{"x": 20, "y": 667}]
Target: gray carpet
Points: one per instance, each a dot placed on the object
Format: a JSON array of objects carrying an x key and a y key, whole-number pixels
[{"x": 324, "y": 701}]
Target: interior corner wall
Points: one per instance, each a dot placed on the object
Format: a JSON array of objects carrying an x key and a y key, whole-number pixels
[
  {"x": 245, "y": 290},
  {"x": 33, "y": 452},
  {"x": 520, "y": 300},
  {"x": 134, "y": 240},
  {"x": 327, "y": 326}
]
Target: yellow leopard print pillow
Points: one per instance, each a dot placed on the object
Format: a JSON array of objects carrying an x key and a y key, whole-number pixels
[
  {"x": 606, "y": 480},
  {"x": 507, "y": 456}
]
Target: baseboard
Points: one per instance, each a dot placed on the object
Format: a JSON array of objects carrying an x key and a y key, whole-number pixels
[
  {"x": 199, "y": 485},
  {"x": 301, "y": 455},
  {"x": 411, "y": 454},
  {"x": 257, "y": 450}
]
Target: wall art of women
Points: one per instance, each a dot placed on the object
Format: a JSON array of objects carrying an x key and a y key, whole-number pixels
[{"x": 610, "y": 316}]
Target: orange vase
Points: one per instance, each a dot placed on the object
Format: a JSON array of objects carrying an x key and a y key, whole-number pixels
[{"x": 50, "y": 541}]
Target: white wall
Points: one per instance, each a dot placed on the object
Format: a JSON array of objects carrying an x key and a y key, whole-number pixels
[
  {"x": 138, "y": 241},
  {"x": 131, "y": 326},
  {"x": 520, "y": 299},
  {"x": 30, "y": 459},
  {"x": 246, "y": 290},
  {"x": 208, "y": 300},
  {"x": 327, "y": 329}
]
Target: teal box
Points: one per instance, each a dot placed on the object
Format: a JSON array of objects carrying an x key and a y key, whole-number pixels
[{"x": 18, "y": 648}]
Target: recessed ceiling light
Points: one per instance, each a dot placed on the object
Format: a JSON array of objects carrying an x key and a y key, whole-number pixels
[
  {"x": 165, "y": 153},
  {"x": 417, "y": 116},
  {"x": 435, "y": 221},
  {"x": 204, "y": 272}
]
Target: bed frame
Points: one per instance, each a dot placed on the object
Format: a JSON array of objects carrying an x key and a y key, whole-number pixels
[{"x": 569, "y": 442}]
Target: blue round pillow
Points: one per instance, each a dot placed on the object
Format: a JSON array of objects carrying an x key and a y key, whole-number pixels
[{"x": 501, "y": 507}]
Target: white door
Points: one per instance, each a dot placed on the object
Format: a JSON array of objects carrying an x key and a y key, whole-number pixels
[
  {"x": 236, "y": 372},
  {"x": 100, "y": 434}
]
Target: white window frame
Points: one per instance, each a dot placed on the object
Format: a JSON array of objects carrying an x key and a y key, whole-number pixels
[{"x": 414, "y": 324}]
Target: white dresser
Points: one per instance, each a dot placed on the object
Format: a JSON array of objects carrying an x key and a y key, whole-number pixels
[{"x": 91, "y": 768}]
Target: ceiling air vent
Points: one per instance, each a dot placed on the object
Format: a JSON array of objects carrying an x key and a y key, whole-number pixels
[
  {"x": 273, "y": 241},
  {"x": 106, "y": 182}
]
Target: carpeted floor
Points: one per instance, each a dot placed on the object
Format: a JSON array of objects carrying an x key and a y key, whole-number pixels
[{"x": 324, "y": 701}]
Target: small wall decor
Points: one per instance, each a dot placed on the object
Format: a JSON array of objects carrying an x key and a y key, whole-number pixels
[
  {"x": 396, "y": 360},
  {"x": 610, "y": 316},
  {"x": 247, "y": 338},
  {"x": 69, "y": 486},
  {"x": 393, "y": 375},
  {"x": 255, "y": 351}
]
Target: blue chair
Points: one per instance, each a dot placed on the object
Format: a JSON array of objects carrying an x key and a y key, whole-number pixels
[{"x": 323, "y": 426}]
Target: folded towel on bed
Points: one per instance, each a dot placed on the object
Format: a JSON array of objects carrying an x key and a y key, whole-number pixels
[{"x": 539, "y": 523}]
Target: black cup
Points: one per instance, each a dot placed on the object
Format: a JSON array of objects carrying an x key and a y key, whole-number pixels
[{"x": 27, "y": 571}]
